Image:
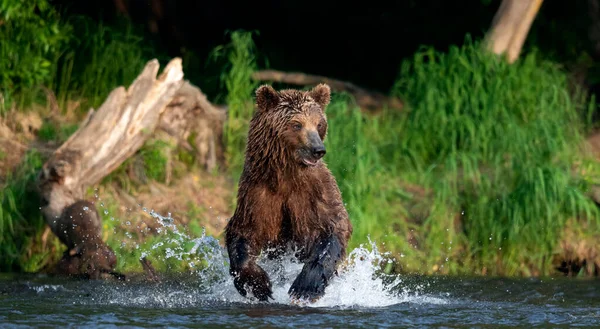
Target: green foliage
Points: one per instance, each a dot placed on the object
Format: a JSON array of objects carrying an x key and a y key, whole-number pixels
[
  {"x": 237, "y": 78},
  {"x": 33, "y": 38},
  {"x": 20, "y": 219},
  {"x": 148, "y": 163},
  {"x": 100, "y": 58},
  {"x": 154, "y": 157},
  {"x": 78, "y": 59},
  {"x": 498, "y": 142},
  {"x": 476, "y": 173}
]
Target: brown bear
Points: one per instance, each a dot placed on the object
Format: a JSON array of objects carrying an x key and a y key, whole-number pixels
[{"x": 287, "y": 196}]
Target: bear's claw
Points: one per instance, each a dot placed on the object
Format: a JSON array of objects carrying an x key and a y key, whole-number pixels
[
  {"x": 316, "y": 273},
  {"x": 256, "y": 279},
  {"x": 310, "y": 283}
]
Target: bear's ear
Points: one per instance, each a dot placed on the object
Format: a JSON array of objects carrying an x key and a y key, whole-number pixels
[
  {"x": 266, "y": 97},
  {"x": 321, "y": 94}
]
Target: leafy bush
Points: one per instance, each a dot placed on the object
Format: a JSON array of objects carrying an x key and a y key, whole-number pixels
[{"x": 33, "y": 37}]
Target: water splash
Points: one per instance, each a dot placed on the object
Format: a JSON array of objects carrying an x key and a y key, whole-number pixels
[{"x": 360, "y": 282}]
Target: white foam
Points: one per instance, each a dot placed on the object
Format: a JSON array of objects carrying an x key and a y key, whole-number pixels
[
  {"x": 46, "y": 287},
  {"x": 359, "y": 283}
]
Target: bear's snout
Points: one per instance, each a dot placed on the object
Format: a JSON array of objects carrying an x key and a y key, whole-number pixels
[
  {"x": 319, "y": 151},
  {"x": 316, "y": 145}
]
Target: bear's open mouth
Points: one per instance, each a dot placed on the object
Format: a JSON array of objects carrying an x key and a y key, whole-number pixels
[{"x": 309, "y": 163}]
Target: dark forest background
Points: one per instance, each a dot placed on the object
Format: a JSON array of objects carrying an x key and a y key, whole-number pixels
[{"x": 362, "y": 43}]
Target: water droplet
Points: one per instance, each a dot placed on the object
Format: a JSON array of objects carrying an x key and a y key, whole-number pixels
[
  {"x": 86, "y": 208},
  {"x": 105, "y": 211}
]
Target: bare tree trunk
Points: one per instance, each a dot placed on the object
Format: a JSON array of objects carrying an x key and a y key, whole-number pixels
[
  {"x": 104, "y": 141},
  {"x": 367, "y": 100},
  {"x": 510, "y": 27}
]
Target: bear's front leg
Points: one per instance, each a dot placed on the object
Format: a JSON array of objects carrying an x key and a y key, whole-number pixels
[
  {"x": 321, "y": 264},
  {"x": 246, "y": 273}
]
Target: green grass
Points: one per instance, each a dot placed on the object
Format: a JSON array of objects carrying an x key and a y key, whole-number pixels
[
  {"x": 476, "y": 175},
  {"x": 21, "y": 222},
  {"x": 98, "y": 59},
  {"x": 482, "y": 170},
  {"x": 241, "y": 63},
  {"x": 499, "y": 142},
  {"x": 81, "y": 62},
  {"x": 33, "y": 37}
]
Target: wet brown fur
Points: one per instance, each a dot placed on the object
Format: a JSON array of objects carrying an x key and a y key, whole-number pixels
[{"x": 280, "y": 200}]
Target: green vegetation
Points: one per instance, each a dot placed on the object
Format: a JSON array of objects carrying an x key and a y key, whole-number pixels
[
  {"x": 32, "y": 39},
  {"x": 476, "y": 173},
  {"x": 21, "y": 222},
  {"x": 80, "y": 62},
  {"x": 237, "y": 78},
  {"x": 497, "y": 144},
  {"x": 481, "y": 173}
]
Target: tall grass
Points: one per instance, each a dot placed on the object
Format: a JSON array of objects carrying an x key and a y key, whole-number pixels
[
  {"x": 502, "y": 141},
  {"x": 21, "y": 222},
  {"x": 239, "y": 86},
  {"x": 477, "y": 175},
  {"x": 33, "y": 37},
  {"x": 98, "y": 59}
]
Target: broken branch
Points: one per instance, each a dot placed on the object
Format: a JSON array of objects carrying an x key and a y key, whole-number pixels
[{"x": 367, "y": 100}]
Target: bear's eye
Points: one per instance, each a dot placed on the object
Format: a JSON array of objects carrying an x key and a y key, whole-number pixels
[
  {"x": 319, "y": 126},
  {"x": 297, "y": 126}
]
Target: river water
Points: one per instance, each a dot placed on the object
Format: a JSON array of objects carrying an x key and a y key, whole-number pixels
[{"x": 358, "y": 298}]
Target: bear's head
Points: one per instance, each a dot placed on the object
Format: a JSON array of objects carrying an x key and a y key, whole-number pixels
[{"x": 290, "y": 124}]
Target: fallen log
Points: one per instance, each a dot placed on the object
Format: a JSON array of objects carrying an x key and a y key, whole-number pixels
[
  {"x": 104, "y": 140},
  {"x": 367, "y": 100}
]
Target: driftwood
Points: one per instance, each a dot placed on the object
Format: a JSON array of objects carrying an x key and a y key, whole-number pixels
[
  {"x": 510, "y": 27},
  {"x": 366, "y": 99},
  {"x": 105, "y": 139},
  {"x": 196, "y": 124}
]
